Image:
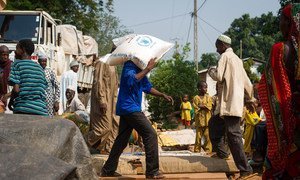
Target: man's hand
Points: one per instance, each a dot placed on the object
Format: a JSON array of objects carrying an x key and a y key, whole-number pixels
[
  {"x": 201, "y": 106},
  {"x": 168, "y": 98},
  {"x": 16, "y": 88},
  {"x": 103, "y": 108},
  {"x": 56, "y": 106},
  {"x": 151, "y": 64},
  {"x": 211, "y": 70}
]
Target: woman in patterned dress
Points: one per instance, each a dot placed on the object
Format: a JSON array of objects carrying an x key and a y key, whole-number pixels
[
  {"x": 52, "y": 91},
  {"x": 279, "y": 93}
]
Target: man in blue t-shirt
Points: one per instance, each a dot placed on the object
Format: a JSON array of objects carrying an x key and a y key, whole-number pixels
[{"x": 133, "y": 82}]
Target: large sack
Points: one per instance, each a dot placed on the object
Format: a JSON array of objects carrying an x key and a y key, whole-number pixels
[{"x": 138, "y": 48}]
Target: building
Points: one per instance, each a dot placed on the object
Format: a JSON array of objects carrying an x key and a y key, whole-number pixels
[{"x": 211, "y": 84}]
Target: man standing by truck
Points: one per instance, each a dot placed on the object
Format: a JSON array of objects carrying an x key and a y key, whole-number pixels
[
  {"x": 5, "y": 64},
  {"x": 104, "y": 121},
  {"x": 28, "y": 81},
  {"x": 69, "y": 78}
]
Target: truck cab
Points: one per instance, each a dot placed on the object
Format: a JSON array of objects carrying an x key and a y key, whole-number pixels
[{"x": 38, "y": 26}]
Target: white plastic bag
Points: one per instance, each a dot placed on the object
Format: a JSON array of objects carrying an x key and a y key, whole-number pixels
[{"x": 138, "y": 48}]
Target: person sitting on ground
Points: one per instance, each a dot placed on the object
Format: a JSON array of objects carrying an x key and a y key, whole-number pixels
[
  {"x": 68, "y": 78},
  {"x": 73, "y": 103}
]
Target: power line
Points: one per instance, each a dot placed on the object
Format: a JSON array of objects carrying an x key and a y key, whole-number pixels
[
  {"x": 201, "y": 5},
  {"x": 210, "y": 25},
  {"x": 159, "y": 20},
  {"x": 188, "y": 36},
  {"x": 183, "y": 18},
  {"x": 211, "y": 43}
]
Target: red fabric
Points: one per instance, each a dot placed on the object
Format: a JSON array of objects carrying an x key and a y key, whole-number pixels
[
  {"x": 287, "y": 12},
  {"x": 276, "y": 99},
  {"x": 6, "y": 70}
]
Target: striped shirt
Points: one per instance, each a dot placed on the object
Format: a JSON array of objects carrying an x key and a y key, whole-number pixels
[{"x": 31, "y": 78}]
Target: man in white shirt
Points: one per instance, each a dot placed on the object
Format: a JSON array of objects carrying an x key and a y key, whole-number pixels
[
  {"x": 234, "y": 81},
  {"x": 69, "y": 78}
]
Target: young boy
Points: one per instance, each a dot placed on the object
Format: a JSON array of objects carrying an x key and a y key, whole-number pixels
[
  {"x": 28, "y": 81},
  {"x": 203, "y": 105},
  {"x": 186, "y": 108}
]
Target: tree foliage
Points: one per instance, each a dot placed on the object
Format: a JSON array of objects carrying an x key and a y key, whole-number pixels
[
  {"x": 175, "y": 77},
  {"x": 109, "y": 28},
  {"x": 92, "y": 17},
  {"x": 252, "y": 76},
  {"x": 256, "y": 34},
  {"x": 81, "y": 13},
  {"x": 208, "y": 60}
]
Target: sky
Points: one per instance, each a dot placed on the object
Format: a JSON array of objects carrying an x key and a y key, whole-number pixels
[{"x": 170, "y": 20}]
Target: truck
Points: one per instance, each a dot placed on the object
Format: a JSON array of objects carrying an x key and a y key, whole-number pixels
[{"x": 60, "y": 42}]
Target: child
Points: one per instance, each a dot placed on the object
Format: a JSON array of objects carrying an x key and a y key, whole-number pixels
[
  {"x": 251, "y": 119},
  {"x": 203, "y": 105},
  {"x": 186, "y": 108}
]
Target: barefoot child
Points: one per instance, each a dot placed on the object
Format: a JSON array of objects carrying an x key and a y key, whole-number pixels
[{"x": 186, "y": 108}]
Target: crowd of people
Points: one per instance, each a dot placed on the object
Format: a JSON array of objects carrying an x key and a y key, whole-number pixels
[{"x": 270, "y": 131}]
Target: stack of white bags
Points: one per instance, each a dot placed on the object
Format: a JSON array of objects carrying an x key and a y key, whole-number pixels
[{"x": 137, "y": 48}]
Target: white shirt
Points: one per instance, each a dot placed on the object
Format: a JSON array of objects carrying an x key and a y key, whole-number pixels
[{"x": 231, "y": 74}]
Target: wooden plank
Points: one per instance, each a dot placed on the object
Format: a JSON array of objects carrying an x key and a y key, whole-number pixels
[{"x": 210, "y": 176}]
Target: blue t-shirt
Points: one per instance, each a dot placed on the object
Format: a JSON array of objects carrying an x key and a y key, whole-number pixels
[{"x": 130, "y": 93}]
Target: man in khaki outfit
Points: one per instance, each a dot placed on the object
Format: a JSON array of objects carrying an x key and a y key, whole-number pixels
[
  {"x": 103, "y": 120},
  {"x": 232, "y": 77}
]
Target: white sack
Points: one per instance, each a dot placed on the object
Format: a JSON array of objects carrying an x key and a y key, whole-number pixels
[
  {"x": 71, "y": 39},
  {"x": 105, "y": 58},
  {"x": 91, "y": 46},
  {"x": 118, "y": 41},
  {"x": 138, "y": 48}
]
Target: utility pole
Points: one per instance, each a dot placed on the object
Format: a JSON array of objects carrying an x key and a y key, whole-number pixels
[
  {"x": 195, "y": 35},
  {"x": 241, "y": 49}
]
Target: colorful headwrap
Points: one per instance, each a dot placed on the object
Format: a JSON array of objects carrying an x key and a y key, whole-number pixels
[{"x": 292, "y": 11}]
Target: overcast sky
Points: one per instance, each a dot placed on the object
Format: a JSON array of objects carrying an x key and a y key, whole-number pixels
[{"x": 170, "y": 19}]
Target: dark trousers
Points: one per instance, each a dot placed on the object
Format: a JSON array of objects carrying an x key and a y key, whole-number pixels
[
  {"x": 235, "y": 143},
  {"x": 259, "y": 141},
  {"x": 216, "y": 126},
  {"x": 142, "y": 125}
]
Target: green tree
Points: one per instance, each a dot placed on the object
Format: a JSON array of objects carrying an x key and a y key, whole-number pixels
[
  {"x": 208, "y": 60},
  {"x": 256, "y": 34},
  {"x": 252, "y": 76},
  {"x": 81, "y": 13},
  {"x": 92, "y": 17},
  {"x": 109, "y": 28},
  {"x": 176, "y": 77}
]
